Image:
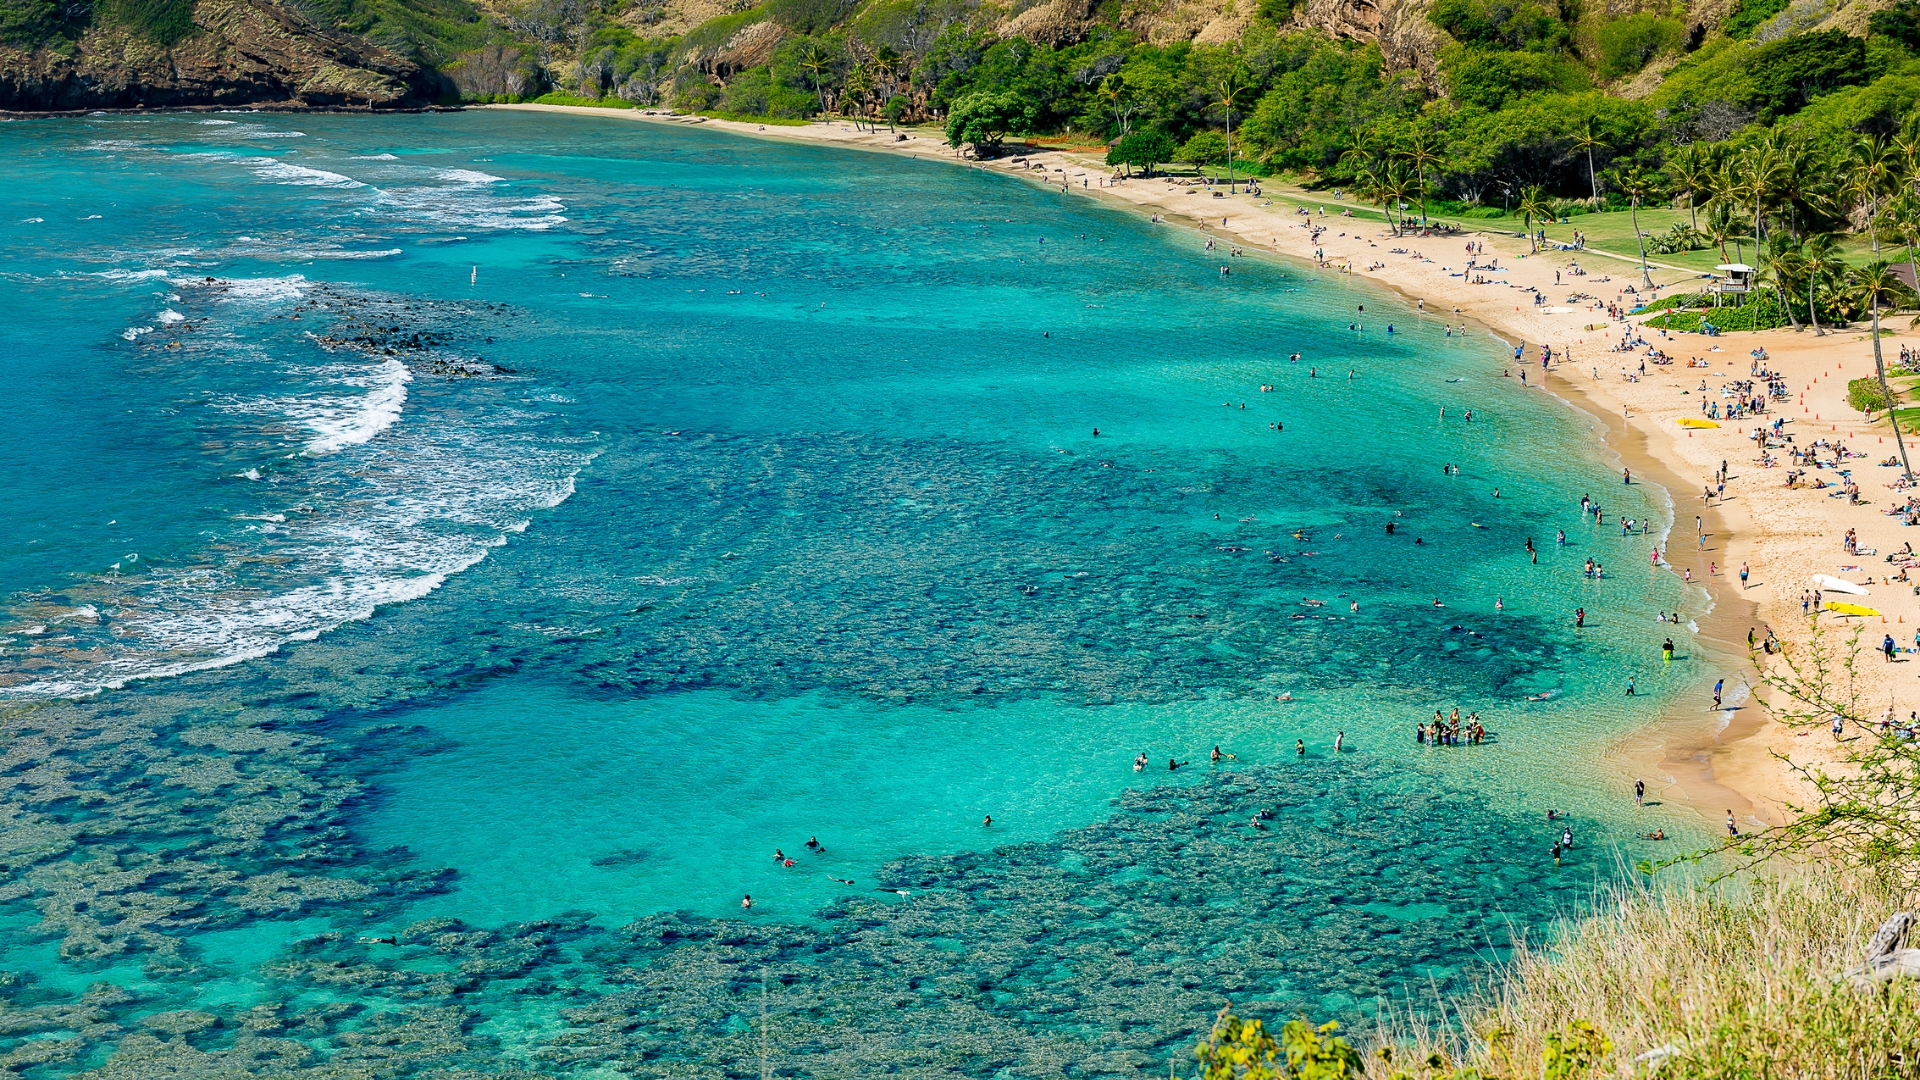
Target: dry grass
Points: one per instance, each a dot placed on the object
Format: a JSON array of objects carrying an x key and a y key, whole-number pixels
[{"x": 1739, "y": 978}]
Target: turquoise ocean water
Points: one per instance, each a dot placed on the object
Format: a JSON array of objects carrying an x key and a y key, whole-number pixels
[{"x": 498, "y": 534}]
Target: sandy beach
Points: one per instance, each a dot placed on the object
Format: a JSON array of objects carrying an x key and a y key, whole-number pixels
[{"x": 1713, "y": 760}]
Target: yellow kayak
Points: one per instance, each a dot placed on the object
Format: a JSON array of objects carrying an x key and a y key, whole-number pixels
[
  {"x": 1696, "y": 422},
  {"x": 1849, "y": 609}
]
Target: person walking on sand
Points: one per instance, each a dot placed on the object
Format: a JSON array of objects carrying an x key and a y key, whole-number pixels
[
  {"x": 1732, "y": 829},
  {"x": 1639, "y": 792},
  {"x": 1718, "y": 685},
  {"x": 1743, "y": 575}
]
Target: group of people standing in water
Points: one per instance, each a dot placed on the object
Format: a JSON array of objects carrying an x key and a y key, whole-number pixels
[{"x": 1445, "y": 730}]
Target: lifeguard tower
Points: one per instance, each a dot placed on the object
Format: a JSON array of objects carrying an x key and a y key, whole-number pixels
[{"x": 1736, "y": 280}]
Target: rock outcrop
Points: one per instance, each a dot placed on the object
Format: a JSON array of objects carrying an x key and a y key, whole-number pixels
[{"x": 244, "y": 52}]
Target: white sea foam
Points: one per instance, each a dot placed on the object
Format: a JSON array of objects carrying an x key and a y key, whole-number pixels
[
  {"x": 290, "y": 287},
  {"x": 31, "y": 221},
  {"x": 129, "y": 275},
  {"x": 476, "y": 206},
  {"x": 392, "y": 496},
  {"x": 213, "y": 123},
  {"x": 276, "y": 134},
  {"x": 336, "y": 253},
  {"x": 470, "y": 176},
  {"x": 285, "y": 172},
  {"x": 132, "y": 332},
  {"x": 170, "y": 316},
  {"x": 376, "y": 157},
  {"x": 360, "y": 421}
]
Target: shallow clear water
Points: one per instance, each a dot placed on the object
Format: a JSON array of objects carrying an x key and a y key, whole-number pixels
[{"x": 500, "y": 533}]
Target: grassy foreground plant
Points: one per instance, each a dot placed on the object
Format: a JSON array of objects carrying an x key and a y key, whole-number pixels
[{"x": 1729, "y": 981}]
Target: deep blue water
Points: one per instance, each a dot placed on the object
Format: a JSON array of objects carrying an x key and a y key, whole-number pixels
[{"x": 500, "y": 533}]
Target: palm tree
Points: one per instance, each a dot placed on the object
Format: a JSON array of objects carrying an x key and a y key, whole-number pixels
[
  {"x": 1586, "y": 140},
  {"x": 1819, "y": 258},
  {"x": 1785, "y": 265},
  {"x": 1535, "y": 204},
  {"x": 1423, "y": 150},
  {"x": 1362, "y": 145},
  {"x": 1692, "y": 168},
  {"x": 1388, "y": 183},
  {"x": 1636, "y": 183},
  {"x": 1877, "y": 286},
  {"x": 1870, "y": 173},
  {"x": 1230, "y": 88},
  {"x": 1762, "y": 176},
  {"x": 1903, "y": 213},
  {"x": 855, "y": 88},
  {"x": 817, "y": 59},
  {"x": 1721, "y": 225}
]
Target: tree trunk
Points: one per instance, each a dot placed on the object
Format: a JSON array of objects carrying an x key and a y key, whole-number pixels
[
  {"x": 1229, "y": 150},
  {"x": 1880, "y": 369},
  {"x": 1813, "y": 314},
  {"x": 1593, "y": 178},
  {"x": 1646, "y": 276},
  {"x": 1780, "y": 294}
]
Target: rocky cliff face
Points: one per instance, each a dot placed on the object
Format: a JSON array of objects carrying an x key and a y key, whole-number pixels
[{"x": 245, "y": 52}]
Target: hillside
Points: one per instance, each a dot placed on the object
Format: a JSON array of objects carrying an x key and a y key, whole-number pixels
[
  {"x": 160, "y": 53},
  {"x": 1363, "y": 60}
]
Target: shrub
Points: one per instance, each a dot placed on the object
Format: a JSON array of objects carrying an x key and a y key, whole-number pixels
[
  {"x": 1901, "y": 22},
  {"x": 27, "y": 23},
  {"x": 1500, "y": 24},
  {"x": 1747, "y": 17},
  {"x": 1143, "y": 148},
  {"x": 983, "y": 118},
  {"x": 1762, "y": 311},
  {"x": 1205, "y": 148},
  {"x": 1787, "y": 74},
  {"x": 166, "y": 22},
  {"x": 1626, "y": 45},
  {"x": 1864, "y": 394},
  {"x": 1682, "y": 237}
]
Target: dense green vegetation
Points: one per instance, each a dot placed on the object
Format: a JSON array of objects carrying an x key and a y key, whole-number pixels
[{"x": 50, "y": 22}]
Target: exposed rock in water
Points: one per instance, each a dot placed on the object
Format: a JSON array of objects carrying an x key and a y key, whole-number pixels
[{"x": 243, "y": 52}]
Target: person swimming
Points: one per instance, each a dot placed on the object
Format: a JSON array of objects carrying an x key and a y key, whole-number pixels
[
  {"x": 1140, "y": 763},
  {"x": 1173, "y": 765},
  {"x": 815, "y": 846}
]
